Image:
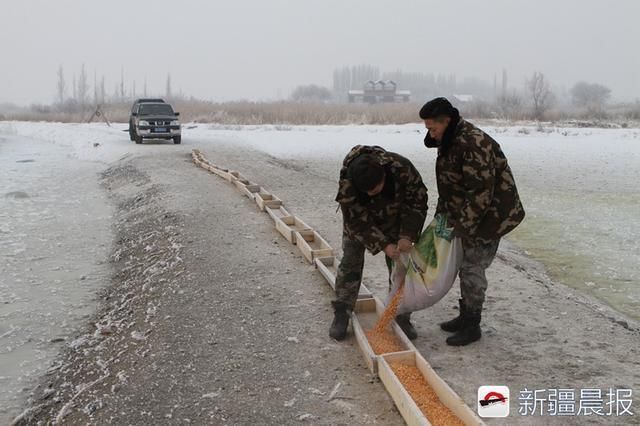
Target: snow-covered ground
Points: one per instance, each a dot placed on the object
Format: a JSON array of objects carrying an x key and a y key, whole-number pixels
[{"x": 579, "y": 187}]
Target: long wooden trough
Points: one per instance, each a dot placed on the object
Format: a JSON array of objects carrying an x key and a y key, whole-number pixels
[
  {"x": 290, "y": 226},
  {"x": 406, "y": 404},
  {"x": 247, "y": 188},
  {"x": 328, "y": 268},
  {"x": 366, "y": 313},
  {"x": 364, "y": 317},
  {"x": 312, "y": 245},
  {"x": 265, "y": 199},
  {"x": 277, "y": 213}
]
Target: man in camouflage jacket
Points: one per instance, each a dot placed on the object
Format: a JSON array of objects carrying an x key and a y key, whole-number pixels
[
  {"x": 477, "y": 191},
  {"x": 384, "y": 206}
]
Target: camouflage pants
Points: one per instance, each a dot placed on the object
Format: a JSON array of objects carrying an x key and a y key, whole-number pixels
[
  {"x": 350, "y": 273},
  {"x": 473, "y": 282}
]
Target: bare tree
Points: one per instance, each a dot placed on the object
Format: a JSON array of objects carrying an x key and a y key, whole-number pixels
[
  {"x": 452, "y": 83},
  {"x": 341, "y": 82},
  {"x": 510, "y": 105},
  {"x": 504, "y": 82},
  {"x": 62, "y": 86},
  {"x": 168, "y": 92},
  {"x": 311, "y": 93},
  {"x": 121, "y": 84},
  {"x": 102, "y": 93},
  {"x": 83, "y": 87},
  {"x": 541, "y": 95},
  {"x": 360, "y": 74},
  {"x": 591, "y": 96},
  {"x": 95, "y": 87}
]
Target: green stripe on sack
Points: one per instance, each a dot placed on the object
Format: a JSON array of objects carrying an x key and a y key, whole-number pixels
[
  {"x": 427, "y": 248},
  {"x": 441, "y": 228},
  {"x": 426, "y": 245}
]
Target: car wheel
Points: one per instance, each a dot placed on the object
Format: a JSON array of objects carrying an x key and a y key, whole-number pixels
[{"x": 177, "y": 140}]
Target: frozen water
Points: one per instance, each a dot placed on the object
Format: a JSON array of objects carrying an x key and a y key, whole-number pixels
[
  {"x": 583, "y": 198},
  {"x": 50, "y": 266}
]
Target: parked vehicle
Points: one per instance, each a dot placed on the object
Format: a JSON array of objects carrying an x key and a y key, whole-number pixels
[
  {"x": 134, "y": 107},
  {"x": 156, "y": 120}
]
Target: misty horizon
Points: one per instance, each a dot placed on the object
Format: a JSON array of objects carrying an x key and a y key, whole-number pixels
[{"x": 221, "y": 51}]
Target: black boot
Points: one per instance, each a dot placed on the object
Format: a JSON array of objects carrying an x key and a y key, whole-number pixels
[
  {"x": 470, "y": 331},
  {"x": 456, "y": 323},
  {"x": 404, "y": 322},
  {"x": 340, "y": 322}
]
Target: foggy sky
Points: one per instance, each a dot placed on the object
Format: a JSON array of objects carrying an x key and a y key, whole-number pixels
[{"x": 262, "y": 49}]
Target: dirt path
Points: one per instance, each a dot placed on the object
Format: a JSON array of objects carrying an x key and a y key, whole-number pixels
[
  {"x": 213, "y": 317},
  {"x": 538, "y": 335}
]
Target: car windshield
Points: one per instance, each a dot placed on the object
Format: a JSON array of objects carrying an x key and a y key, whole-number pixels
[{"x": 155, "y": 109}]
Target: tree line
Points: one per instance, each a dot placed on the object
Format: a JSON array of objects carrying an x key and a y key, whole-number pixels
[
  {"x": 79, "y": 94},
  {"x": 533, "y": 100}
]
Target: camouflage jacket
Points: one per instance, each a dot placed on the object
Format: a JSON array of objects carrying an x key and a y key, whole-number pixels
[
  {"x": 398, "y": 211},
  {"x": 476, "y": 187}
]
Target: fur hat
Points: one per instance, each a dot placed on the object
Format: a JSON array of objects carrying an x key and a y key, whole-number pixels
[{"x": 438, "y": 107}]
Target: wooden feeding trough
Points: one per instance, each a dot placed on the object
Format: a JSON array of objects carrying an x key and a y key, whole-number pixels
[
  {"x": 266, "y": 199},
  {"x": 220, "y": 171},
  {"x": 198, "y": 158},
  {"x": 277, "y": 213},
  {"x": 312, "y": 245},
  {"x": 407, "y": 405},
  {"x": 364, "y": 317},
  {"x": 233, "y": 175},
  {"x": 328, "y": 267},
  {"x": 247, "y": 188},
  {"x": 288, "y": 226},
  {"x": 201, "y": 161},
  {"x": 406, "y": 375}
]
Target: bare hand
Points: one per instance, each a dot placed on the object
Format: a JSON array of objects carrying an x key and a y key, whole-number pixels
[
  {"x": 391, "y": 251},
  {"x": 404, "y": 245}
]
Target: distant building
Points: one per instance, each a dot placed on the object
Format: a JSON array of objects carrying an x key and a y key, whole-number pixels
[
  {"x": 463, "y": 99},
  {"x": 379, "y": 91}
]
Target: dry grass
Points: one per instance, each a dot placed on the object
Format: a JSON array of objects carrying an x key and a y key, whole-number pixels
[
  {"x": 293, "y": 113},
  {"x": 245, "y": 113}
]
